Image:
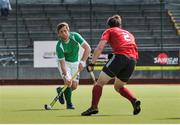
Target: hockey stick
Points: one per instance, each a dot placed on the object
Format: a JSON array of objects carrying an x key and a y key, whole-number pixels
[
  {"x": 48, "y": 107},
  {"x": 92, "y": 76}
]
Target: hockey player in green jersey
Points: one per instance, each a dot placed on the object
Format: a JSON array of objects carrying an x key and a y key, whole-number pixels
[{"x": 67, "y": 50}]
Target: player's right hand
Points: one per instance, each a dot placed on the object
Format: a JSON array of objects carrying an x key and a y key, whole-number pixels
[
  {"x": 67, "y": 81},
  {"x": 110, "y": 56},
  {"x": 90, "y": 67}
]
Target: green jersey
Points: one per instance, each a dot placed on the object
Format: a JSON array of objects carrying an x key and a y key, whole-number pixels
[{"x": 69, "y": 50}]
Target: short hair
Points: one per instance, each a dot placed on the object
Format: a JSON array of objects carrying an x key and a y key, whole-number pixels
[
  {"x": 114, "y": 21},
  {"x": 61, "y": 25}
]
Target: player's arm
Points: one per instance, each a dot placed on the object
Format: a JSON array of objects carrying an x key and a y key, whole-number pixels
[
  {"x": 87, "y": 51},
  {"x": 61, "y": 59},
  {"x": 86, "y": 48},
  {"x": 104, "y": 39},
  {"x": 84, "y": 45},
  {"x": 98, "y": 50},
  {"x": 62, "y": 65},
  {"x": 96, "y": 54},
  {"x": 65, "y": 75},
  {"x": 85, "y": 55}
]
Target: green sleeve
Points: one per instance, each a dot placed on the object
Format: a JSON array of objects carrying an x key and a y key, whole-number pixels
[
  {"x": 59, "y": 52},
  {"x": 79, "y": 38}
]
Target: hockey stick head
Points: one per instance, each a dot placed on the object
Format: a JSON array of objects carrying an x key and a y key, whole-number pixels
[{"x": 47, "y": 107}]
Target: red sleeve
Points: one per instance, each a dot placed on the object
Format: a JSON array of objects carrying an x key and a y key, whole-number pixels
[{"x": 105, "y": 35}]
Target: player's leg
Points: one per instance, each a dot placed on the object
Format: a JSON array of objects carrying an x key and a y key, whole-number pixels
[
  {"x": 121, "y": 79},
  {"x": 125, "y": 92},
  {"x": 73, "y": 67},
  {"x": 96, "y": 94},
  {"x": 68, "y": 95},
  {"x": 59, "y": 89},
  {"x": 61, "y": 98},
  {"x": 109, "y": 71},
  {"x": 75, "y": 82},
  {"x": 98, "y": 87}
]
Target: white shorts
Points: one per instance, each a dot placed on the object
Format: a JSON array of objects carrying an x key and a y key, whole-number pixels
[{"x": 72, "y": 68}]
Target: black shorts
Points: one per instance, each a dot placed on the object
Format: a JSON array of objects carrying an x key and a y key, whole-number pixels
[{"x": 120, "y": 66}]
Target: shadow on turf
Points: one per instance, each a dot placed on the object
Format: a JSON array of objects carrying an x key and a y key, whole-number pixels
[
  {"x": 34, "y": 110},
  {"x": 173, "y": 118},
  {"x": 96, "y": 115}
]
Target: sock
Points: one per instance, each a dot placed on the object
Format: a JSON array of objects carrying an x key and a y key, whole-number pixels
[
  {"x": 59, "y": 89},
  {"x": 68, "y": 94},
  {"x": 127, "y": 94},
  {"x": 96, "y": 95}
]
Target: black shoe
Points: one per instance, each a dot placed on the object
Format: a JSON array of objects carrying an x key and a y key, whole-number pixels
[
  {"x": 136, "y": 107},
  {"x": 70, "y": 106},
  {"x": 61, "y": 98},
  {"x": 90, "y": 111}
]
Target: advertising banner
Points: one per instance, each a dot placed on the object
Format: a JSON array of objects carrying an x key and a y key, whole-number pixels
[
  {"x": 45, "y": 57},
  {"x": 44, "y": 54},
  {"x": 150, "y": 60},
  {"x": 158, "y": 58}
]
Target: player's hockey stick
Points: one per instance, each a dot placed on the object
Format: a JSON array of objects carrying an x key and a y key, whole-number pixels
[
  {"x": 92, "y": 76},
  {"x": 49, "y": 107}
]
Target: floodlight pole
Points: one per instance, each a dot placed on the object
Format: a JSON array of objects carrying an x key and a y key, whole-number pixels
[
  {"x": 17, "y": 44},
  {"x": 90, "y": 9},
  {"x": 161, "y": 27},
  {"x": 161, "y": 32}
]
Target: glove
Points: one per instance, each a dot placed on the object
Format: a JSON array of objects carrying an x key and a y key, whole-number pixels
[
  {"x": 110, "y": 56},
  {"x": 90, "y": 67}
]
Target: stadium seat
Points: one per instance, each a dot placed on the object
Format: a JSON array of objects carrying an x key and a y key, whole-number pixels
[{"x": 39, "y": 21}]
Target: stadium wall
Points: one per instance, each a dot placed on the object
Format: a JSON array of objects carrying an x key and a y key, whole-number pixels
[
  {"x": 84, "y": 1},
  {"x": 84, "y": 81}
]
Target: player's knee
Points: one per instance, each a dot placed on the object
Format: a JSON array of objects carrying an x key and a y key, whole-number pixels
[
  {"x": 103, "y": 79},
  {"x": 100, "y": 83},
  {"x": 118, "y": 86},
  {"x": 74, "y": 85}
]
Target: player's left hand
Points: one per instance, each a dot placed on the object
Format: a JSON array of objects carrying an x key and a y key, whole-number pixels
[{"x": 82, "y": 64}]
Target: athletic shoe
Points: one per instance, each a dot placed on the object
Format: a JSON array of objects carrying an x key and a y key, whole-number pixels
[
  {"x": 136, "y": 107},
  {"x": 70, "y": 106},
  {"x": 61, "y": 98},
  {"x": 90, "y": 111}
]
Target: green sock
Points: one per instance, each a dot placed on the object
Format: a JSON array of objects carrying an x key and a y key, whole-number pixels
[
  {"x": 68, "y": 94},
  {"x": 59, "y": 89}
]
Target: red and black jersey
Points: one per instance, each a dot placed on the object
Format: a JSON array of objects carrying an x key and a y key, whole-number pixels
[{"x": 121, "y": 41}]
